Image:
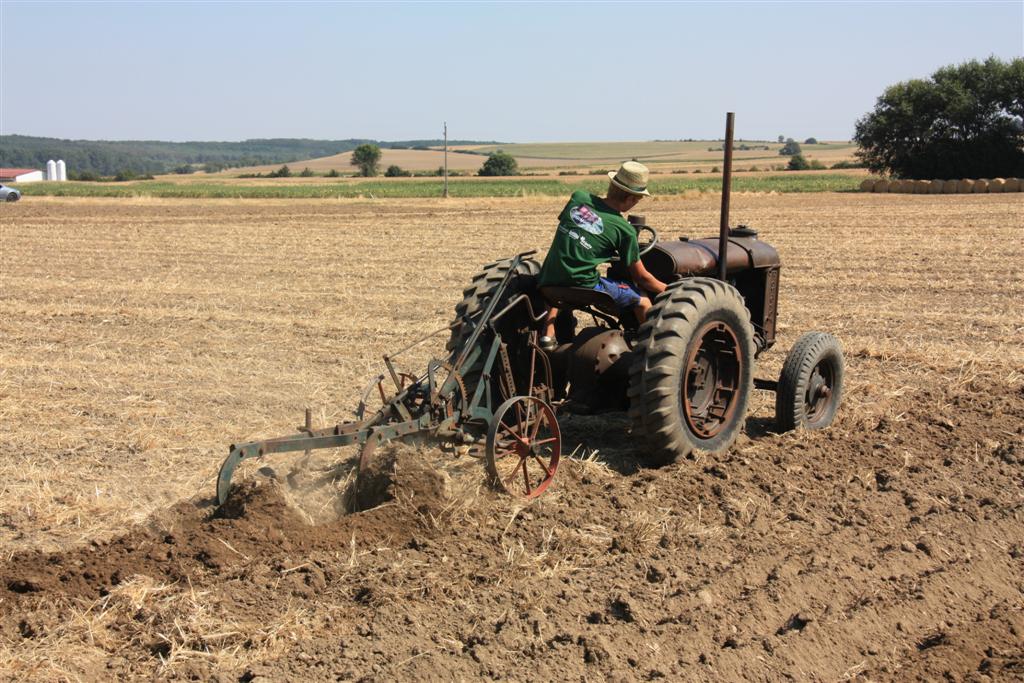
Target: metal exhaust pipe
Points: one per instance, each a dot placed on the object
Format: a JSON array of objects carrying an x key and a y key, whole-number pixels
[{"x": 723, "y": 229}]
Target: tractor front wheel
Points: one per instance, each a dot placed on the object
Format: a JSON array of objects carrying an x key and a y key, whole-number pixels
[
  {"x": 811, "y": 383},
  {"x": 691, "y": 380}
]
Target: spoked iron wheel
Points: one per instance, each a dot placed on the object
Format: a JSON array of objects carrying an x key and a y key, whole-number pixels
[
  {"x": 523, "y": 446},
  {"x": 711, "y": 379}
]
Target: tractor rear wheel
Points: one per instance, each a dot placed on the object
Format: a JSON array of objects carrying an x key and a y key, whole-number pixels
[
  {"x": 693, "y": 373},
  {"x": 475, "y": 299},
  {"x": 810, "y": 384}
]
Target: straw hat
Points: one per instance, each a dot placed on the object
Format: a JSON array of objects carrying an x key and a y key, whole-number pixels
[{"x": 631, "y": 177}]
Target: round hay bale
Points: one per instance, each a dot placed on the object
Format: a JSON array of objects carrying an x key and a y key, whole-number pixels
[
  {"x": 908, "y": 186},
  {"x": 964, "y": 186},
  {"x": 936, "y": 187},
  {"x": 880, "y": 186},
  {"x": 922, "y": 186},
  {"x": 997, "y": 185},
  {"x": 867, "y": 185},
  {"x": 981, "y": 186},
  {"x": 949, "y": 187},
  {"x": 1013, "y": 185}
]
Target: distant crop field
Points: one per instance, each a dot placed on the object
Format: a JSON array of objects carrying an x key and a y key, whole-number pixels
[
  {"x": 554, "y": 156},
  {"x": 408, "y": 159},
  {"x": 658, "y": 152},
  {"x": 294, "y": 188},
  {"x": 602, "y": 151}
]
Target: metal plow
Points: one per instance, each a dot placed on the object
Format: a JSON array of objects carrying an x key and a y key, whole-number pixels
[{"x": 506, "y": 406}]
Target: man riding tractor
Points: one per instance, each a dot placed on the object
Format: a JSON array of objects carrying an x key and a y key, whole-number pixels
[{"x": 591, "y": 232}]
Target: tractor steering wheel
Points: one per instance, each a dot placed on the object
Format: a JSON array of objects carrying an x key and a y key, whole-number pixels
[{"x": 644, "y": 248}]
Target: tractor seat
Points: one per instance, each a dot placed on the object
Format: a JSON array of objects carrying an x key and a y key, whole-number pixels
[{"x": 579, "y": 297}]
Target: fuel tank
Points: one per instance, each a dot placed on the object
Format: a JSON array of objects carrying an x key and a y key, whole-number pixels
[{"x": 685, "y": 257}]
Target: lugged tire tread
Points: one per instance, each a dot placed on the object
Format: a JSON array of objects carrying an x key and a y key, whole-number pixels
[
  {"x": 799, "y": 362},
  {"x": 475, "y": 297},
  {"x": 660, "y": 347}
]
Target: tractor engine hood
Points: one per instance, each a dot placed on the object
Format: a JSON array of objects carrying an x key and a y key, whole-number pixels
[{"x": 684, "y": 257}]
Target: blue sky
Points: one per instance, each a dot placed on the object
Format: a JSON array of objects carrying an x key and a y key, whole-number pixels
[{"x": 514, "y": 72}]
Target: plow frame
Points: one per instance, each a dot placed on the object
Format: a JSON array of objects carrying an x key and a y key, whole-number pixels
[{"x": 428, "y": 406}]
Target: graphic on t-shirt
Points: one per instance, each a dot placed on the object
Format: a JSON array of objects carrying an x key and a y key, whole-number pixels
[{"x": 582, "y": 216}]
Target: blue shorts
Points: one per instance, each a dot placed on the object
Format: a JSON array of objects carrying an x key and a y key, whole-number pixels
[{"x": 625, "y": 294}]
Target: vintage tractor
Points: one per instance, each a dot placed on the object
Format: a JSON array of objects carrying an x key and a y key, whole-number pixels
[{"x": 684, "y": 376}]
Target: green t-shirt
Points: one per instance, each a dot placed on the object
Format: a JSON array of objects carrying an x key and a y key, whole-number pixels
[{"x": 589, "y": 233}]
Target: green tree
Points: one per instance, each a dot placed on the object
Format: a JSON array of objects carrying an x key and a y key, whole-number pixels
[
  {"x": 395, "y": 171},
  {"x": 790, "y": 148},
  {"x": 283, "y": 172},
  {"x": 782, "y": 138},
  {"x": 965, "y": 121},
  {"x": 366, "y": 157},
  {"x": 333, "y": 173},
  {"x": 499, "y": 163},
  {"x": 306, "y": 173},
  {"x": 811, "y": 141},
  {"x": 797, "y": 162}
]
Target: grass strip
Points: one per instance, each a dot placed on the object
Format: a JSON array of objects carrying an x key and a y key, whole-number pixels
[{"x": 398, "y": 189}]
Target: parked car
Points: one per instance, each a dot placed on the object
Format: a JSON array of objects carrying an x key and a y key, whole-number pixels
[{"x": 9, "y": 194}]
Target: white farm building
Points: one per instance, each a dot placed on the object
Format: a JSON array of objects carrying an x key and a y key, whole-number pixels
[{"x": 20, "y": 175}]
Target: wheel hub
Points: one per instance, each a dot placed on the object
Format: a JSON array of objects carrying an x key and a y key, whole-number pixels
[
  {"x": 819, "y": 391},
  {"x": 711, "y": 379}
]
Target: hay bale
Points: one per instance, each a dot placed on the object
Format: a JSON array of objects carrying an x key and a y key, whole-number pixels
[
  {"x": 997, "y": 185},
  {"x": 908, "y": 186},
  {"x": 949, "y": 187},
  {"x": 867, "y": 185},
  {"x": 936, "y": 187},
  {"x": 881, "y": 186},
  {"x": 981, "y": 186},
  {"x": 964, "y": 186},
  {"x": 1013, "y": 185},
  {"x": 922, "y": 186}
]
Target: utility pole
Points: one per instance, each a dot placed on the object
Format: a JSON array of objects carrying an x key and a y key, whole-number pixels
[{"x": 445, "y": 159}]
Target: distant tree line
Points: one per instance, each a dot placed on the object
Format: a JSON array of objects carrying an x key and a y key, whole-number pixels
[{"x": 143, "y": 157}]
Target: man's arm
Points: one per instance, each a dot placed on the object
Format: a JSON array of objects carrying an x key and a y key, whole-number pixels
[{"x": 643, "y": 278}]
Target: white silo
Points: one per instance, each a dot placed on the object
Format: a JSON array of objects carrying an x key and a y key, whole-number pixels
[
  {"x": 62, "y": 170},
  {"x": 51, "y": 170}
]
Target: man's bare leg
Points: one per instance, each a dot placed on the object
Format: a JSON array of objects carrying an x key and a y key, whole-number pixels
[
  {"x": 641, "y": 309},
  {"x": 549, "y": 327}
]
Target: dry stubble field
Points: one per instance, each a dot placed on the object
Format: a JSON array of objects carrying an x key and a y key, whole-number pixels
[{"x": 139, "y": 338}]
